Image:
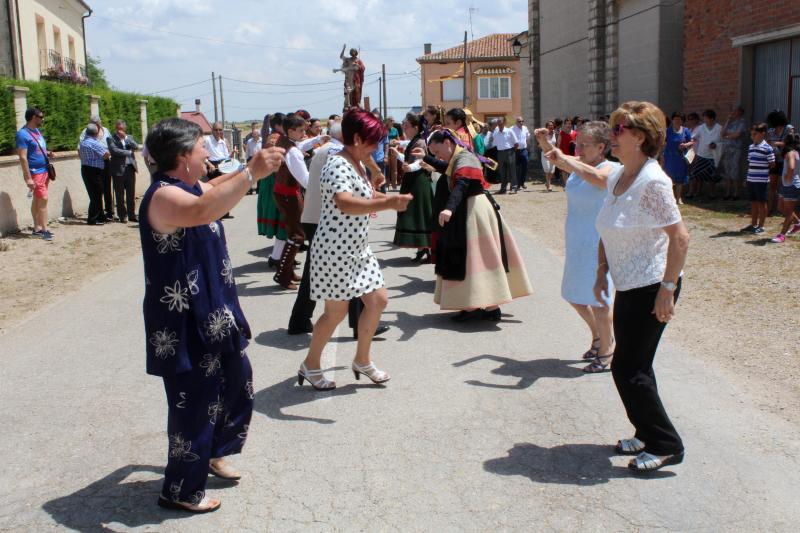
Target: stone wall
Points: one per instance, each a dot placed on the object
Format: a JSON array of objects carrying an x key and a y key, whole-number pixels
[{"x": 68, "y": 196}]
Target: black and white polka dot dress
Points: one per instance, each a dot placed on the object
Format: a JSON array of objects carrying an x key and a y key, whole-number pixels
[{"x": 342, "y": 264}]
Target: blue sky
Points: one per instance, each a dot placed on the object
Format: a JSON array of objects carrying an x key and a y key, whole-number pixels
[{"x": 153, "y": 46}]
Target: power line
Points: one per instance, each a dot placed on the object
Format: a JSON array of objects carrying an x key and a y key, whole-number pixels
[{"x": 248, "y": 44}]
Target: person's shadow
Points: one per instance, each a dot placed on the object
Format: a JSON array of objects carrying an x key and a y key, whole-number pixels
[
  {"x": 286, "y": 394},
  {"x": 412, "y": 287},
  {"x": 527, "y": 372},
  {"x": 115, "y": 499},
  {"x": 409, "y": 324},
  {"x": 566, "y": 464}
]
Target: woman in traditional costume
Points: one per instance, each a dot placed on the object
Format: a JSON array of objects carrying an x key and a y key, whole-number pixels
[{"x": 268, "y": 217}]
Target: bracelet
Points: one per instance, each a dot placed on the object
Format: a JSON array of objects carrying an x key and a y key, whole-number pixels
[{"x": 249, "y": 176}]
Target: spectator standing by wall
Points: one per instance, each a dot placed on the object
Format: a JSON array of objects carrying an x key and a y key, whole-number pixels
[
  {"x": 523, "y": 138},
  {"x": 790, "y": 188},
  {"x": 34, "y": 159},
  {"x": 760, "y": 162},
  {"x": 730, "y": 164},
  {"x": 678, "y": 140},
  {"x": 778, "y": 128},
  {"x": 548, "y": 166},
  {"x": 108, "y": 189},
  {"x": 123, "y": 171},
  {"x": 506, "y": 143},
  {"x": 704, "y": 167},
  {"x": 93, "y": 154}
]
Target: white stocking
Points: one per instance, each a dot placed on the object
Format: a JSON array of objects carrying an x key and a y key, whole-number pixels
[{"x": 277, "y": 249}]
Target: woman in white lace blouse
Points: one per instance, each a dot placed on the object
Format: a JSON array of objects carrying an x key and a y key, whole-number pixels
[{"x": 643, "y": 244}]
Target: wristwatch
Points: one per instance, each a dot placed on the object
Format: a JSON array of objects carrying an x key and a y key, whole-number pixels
[{"x": 670, "y": 286}]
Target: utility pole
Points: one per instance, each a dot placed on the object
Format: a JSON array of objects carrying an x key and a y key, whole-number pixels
[
  {"x": 464, "y": 96},
  {"x": 380, "y": 93},
  {"x": 385, "y": 103},
  {"x": 222, "y": 102},
  {"x": 214, "y": 88}
]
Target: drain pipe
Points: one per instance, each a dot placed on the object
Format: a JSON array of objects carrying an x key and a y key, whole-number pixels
[{"x": 85, "y": 53}]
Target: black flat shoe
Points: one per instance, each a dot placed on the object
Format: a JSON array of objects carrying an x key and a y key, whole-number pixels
[
  {"x": 492, "y": 316},
  {"x": 273, "y": 263},
  {"x": 463, "y": 316}
]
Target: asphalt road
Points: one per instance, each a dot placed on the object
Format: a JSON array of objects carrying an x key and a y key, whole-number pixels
[{"x": 483, "y": 427}]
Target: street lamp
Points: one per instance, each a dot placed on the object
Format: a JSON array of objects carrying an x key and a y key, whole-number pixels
[{"x": 517, "y": 47}]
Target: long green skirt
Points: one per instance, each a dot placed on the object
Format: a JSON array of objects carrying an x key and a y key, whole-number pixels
[
  {"x": 270, "y": 222},
  {"x": 413, "y": 228}
]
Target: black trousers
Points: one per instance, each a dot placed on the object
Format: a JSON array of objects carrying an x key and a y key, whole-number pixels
[
  {"x": 637, "y": 333},
  {"x": 108, "y": 194},
  {"x": 125, "y": 193},
  {"x": 93, "y": 181},
  {"x": 507, "y": 167},
  {"x": 304, "y": 306}
]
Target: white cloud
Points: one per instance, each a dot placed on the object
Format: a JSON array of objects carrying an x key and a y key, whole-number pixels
[{"x": 154, "y": 59}]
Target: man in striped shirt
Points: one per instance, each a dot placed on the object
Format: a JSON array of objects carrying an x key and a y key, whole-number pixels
[
  {"x": 760, "y": 159},
  {"x": 93, "y": 155}
]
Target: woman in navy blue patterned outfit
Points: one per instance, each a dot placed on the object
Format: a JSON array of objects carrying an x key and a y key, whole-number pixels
[{"x": 196, "y": 333}]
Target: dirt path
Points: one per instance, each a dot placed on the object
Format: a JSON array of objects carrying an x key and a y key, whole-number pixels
[{"x": 36, "y": 273}]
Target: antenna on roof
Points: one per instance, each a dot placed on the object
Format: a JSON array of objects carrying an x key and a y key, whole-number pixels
[{"x": 471, "y": 11}]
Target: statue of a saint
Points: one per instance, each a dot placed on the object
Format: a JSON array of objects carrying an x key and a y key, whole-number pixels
[{"x": 353, "y": 69}]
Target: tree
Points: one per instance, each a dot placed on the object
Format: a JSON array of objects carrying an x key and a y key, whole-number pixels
[{"x": 96, "y": 73}]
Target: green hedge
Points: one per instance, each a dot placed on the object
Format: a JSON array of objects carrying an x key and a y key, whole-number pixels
[{"x": 66, "y": 108}]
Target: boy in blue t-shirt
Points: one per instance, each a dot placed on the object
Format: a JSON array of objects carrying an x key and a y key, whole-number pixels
[
  {"x": 760, "y": 159},
  {"x": 33, "y": 158}
]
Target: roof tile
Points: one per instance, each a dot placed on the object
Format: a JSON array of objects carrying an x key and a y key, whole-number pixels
[{"x": 494, "y": 46}]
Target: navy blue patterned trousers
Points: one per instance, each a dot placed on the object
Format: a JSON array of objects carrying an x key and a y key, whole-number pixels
[{"x": 209, "y": 410}]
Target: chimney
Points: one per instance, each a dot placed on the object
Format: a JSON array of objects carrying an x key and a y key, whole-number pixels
[
  {"x": 197, "y": 105},
  {"x": 427, "y": 48}
]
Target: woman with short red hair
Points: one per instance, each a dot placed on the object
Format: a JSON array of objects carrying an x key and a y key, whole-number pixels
[{"x": 343, "y": 266}]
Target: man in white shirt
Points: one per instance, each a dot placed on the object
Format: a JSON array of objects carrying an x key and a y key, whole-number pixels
[
  {"x": 506, "y": 143},
  {"x": 303, "y": 310},
  {"x": 217, "y": 149},
  {"x": 523, "y": 137},
  {"x": 252, "y": 146}
]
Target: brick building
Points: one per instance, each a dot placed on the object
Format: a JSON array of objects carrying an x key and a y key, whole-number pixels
[{"x": 742, "y": 52}]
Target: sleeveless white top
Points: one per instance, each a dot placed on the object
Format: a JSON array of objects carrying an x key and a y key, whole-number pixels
[{"x": 630, "y": 226}]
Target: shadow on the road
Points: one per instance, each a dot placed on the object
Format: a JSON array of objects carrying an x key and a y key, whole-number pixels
[
  {"x": 409, "y": 324},
  {"x": 279, "y": 338},
  {"x": 274, "y": 399},
  {"x": 759, "y": 242},
  {"x": 727, "y": 234},
  {"x": 527, "y": 371},
  {"x": 114, "y": 499},
  {"x": 412, "y": 286},
  {"x": 257, "y": 267},
  {"x": 263, "y": 252},
  {"x": 567, "y": 464},
  {"x": 254, "y": 288}
]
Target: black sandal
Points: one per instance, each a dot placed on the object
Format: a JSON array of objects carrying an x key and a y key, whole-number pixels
[{"x": 600, "y": 364}]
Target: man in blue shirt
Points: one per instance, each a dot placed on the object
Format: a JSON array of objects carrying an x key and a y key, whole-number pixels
[
  {"x": 379, "y": 156},
  {"x": 93, "y": 161},
  {"x": 33, "y": 158}
]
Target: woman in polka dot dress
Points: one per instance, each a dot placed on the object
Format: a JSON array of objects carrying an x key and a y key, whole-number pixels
[{"x": 342, "y": 265}]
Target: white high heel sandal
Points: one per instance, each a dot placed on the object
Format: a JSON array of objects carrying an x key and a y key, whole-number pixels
[
  {"x": 315, "y": 377},
  {"x": 371, "y": 371}
]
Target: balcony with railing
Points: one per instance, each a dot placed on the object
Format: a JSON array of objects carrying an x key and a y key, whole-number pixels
[{"x": 53, "y": 66}]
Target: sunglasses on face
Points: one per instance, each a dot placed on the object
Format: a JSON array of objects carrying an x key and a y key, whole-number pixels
[{"x": 619, "y": 128}]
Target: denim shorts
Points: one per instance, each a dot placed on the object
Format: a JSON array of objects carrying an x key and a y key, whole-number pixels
[
  {"x": 757, "y": 191},
  {"x": 790, "y": 192}
]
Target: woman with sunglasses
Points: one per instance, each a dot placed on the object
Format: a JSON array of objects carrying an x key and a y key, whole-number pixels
[{"x": 643, "y": 244}]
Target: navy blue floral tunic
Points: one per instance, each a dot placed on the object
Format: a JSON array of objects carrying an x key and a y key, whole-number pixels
[{"x": 191, "y": 309}]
